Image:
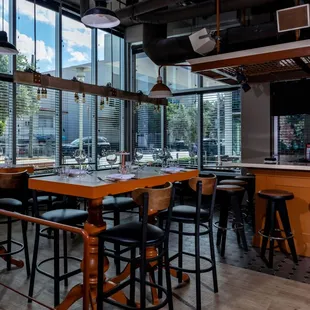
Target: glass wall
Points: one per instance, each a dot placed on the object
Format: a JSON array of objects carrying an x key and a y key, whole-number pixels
[{"x": 148, "y": 135}]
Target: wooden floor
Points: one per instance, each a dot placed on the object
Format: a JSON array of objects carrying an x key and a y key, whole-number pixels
[{"x": 238, "y": 288}]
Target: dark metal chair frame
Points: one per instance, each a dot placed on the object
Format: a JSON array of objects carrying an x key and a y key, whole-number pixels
[
  {"x": 56, "y": 258},
  {"x": 207, "y": 225},
  {"x": 141, "y": 261}
]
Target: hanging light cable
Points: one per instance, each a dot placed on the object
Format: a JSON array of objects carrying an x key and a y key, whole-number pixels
[{"x": 6, "y": 48}]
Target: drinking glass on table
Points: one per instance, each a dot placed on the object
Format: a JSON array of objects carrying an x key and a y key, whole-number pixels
[
  {"x": 111, "y": 158},
  {"x": 138, "y": 155},
  {"x": 80, "y": 157}
]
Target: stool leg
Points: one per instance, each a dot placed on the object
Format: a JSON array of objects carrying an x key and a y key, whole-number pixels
[
  {"x": 142, "y": 279},
  {"x": 168, "y": 276},
  {"x": 272, "y": 226},
  {"x": 160, "y": 270},
  {"x": 180, "y": 257},
  {"x": 9, "y": 249},
  {"x": 266, "y": 230},
  {"x": 221, "y": 233},
  {"x": 25, "y": 240},
  {"x": 133, "y": 276},
  {"x": 212, "y": 252},
  {"x": 65, "y": 245},
  {"x": 34, "y": 261},
  {"x": 288, "y": 232},
  {"x": 238, "y": 215},
  {"x": 117, "y": 247},
  {"x": 56, "y": 267},
  {"x": 197, "y": 267}
]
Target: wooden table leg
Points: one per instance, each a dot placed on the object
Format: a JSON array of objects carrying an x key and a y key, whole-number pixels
[{"x": 93, "y": 226}]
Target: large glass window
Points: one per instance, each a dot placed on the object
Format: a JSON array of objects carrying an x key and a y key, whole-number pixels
[
  {"x": 36, "y": 126},
  {"x": 147, "y": 117},
  {"x": 78, "y": 109},
  {"x": 221, "y": 127},
  {"x": 182, "y": 122},
  {"x": 292, "y": 134},
  {"x": 5, "y": 59},
  {"x": 179, "y": 78}
]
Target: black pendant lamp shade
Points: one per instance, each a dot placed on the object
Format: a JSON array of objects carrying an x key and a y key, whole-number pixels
[
  {"x": 6, "y": 48},
  {"x": 100, "y": 16}
]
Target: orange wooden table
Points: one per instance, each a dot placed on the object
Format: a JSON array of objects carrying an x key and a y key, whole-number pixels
[
  {"x": 91, "y": 188},
  {"x": 15, "y": 169}
]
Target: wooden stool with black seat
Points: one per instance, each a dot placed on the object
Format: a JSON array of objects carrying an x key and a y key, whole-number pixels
[
  {"x": 201, "y": 217},
  {"x": 116, "y": 205},
  {"x": 250, "y": 189},
  {"x": 230, "y": 196},
  {"x": 13, "y": 193},
  {"x": 150, "y": 240},
  {"x": 276, "y": 203},
  {"x": 71, "y": 217}
]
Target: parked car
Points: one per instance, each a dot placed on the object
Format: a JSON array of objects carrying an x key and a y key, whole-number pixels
[{"x": 102, "y": 146}]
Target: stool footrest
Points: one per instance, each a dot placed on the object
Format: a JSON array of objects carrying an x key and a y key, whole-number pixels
[
  {"x": 21, "y": 245},
  {"x": 240, "y": 226},
  {"x": 261, "y": 232}
]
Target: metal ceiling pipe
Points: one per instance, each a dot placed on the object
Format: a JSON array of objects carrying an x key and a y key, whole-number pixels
[
  {"x": 207, "y": 8},
  {"x": 143, "y": 7},
  {"x": 162, "y": 50}
]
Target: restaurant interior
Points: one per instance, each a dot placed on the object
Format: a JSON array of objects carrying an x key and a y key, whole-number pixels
[{"x": 154, "y": 154}]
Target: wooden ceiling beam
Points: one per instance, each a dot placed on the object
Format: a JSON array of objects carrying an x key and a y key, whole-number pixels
[
  {"x": 46, "y": 81},
  {"x": 279, "y": 76},
  {"x": 252, "y": 56}
]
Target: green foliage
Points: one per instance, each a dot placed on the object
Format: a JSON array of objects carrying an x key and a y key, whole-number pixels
[{"x": 26, "y": 100}]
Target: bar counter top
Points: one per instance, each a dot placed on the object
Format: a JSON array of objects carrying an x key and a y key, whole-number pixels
[{"x": 297, "y": 167}]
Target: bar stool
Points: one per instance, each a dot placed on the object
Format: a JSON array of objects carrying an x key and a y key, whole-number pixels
[
  {"x": 250, "y": 179},
  {"x": 201, "y": 217},
  {"x": 145, "y": 237},
  {"x": 276, "y": 202},
  {"x": 230, "y": 195},
  {"x": 71, "y": 217},
  {"x": 116, "y": 205}
]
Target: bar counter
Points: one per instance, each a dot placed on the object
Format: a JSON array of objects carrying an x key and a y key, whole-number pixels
[{"x": 293, "y": 178}]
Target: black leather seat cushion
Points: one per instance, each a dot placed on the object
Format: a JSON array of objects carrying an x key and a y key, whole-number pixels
[
  {"x": 10, "y": 204},
  {"x": 186, "y": 213},
  {"x": 122, "y": 203},
  {"x": 66, "y": 216},
  {"x": 43, "y": 199},
  {"x": 131, "y": 233}
]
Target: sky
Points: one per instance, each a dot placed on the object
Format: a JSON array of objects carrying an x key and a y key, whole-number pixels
[{"x": 76, "y": 37}]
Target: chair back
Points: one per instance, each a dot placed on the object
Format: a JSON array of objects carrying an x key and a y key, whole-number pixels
[
  {"x": 207, "y": 184},
  {"x": 14, "y": 185},
  {"x": 204, "y": 186},
  {"x": 159, "y": 199}
]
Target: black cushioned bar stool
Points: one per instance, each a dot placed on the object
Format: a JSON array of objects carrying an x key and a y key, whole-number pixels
[
  {"x": 276, "y": 203},
  {"x": 116, "y": 205},
  {"x": 201, "y": 217},
  {"x": 145, "y": 237},
  {"x": 72, "y": 217},
  {"x": 230, "y": 196},
  {"x": 250, "y": 188}
]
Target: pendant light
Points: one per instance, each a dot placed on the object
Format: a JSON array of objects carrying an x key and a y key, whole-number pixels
[
  {"x": 6, "y": 48},
  {"x": 100, "y": 16},
  {"x": 160, "y": 90}
]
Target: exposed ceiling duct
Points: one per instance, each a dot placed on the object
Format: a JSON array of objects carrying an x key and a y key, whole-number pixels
[
  {"x": 162, "y": 50},
  {"x": 206, "y": 8}
]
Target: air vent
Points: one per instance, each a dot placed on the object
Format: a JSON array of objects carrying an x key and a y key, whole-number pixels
[{"x": 293, "y": 18}]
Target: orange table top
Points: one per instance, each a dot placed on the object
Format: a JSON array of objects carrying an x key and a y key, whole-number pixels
[
  {"x": 91, "y": 187},
  {"x": 15, "y": 169}
]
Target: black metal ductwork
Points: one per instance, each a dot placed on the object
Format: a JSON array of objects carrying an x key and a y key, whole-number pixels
[{"x": 162, "y": 50}]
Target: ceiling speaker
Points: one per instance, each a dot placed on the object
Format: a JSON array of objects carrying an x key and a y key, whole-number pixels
[{"x": 293, "y": 18}]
